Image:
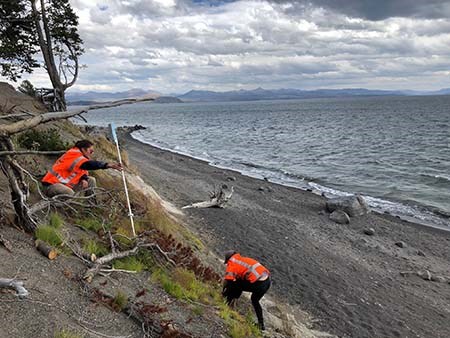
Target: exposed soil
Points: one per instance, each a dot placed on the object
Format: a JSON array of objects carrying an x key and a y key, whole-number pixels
[{"x": 350, "y": 282}]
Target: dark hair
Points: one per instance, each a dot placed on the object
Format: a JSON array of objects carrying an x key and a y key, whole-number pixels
[{"x": 83, "y": 144}]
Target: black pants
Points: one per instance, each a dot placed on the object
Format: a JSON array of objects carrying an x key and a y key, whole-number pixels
[{"x": 233, "y": 290}]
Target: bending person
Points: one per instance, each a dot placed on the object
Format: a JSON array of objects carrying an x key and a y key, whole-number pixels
[
  {"x": 70, "y": 173},
  {"x": 245, "y": 274}
]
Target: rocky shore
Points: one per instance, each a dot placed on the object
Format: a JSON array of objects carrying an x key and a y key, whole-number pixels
[{"x": 377, "y": 276}]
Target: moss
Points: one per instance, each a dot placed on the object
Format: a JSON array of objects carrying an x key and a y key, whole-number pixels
[{"x": 49, "y": 235}]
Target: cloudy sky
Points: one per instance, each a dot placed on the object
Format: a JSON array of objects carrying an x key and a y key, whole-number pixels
[{"x": 173, "y": 46}]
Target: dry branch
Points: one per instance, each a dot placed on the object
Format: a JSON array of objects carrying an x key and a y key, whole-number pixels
[
  {"x": 31, "y": 152},
  {"x": 218, "y": 199},
  {"x": 14, "y": 284},
  {"x": 5, "y": 243}
]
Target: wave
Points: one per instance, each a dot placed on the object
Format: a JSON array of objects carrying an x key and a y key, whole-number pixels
[{"x": 440, "y": 178}]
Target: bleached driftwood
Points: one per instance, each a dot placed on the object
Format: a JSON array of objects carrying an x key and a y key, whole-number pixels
[
  {"x": 217, "y": 199},
  {"x": 14, "y": 284}
]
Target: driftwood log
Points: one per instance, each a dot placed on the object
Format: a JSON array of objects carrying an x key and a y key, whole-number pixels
[
  {"x": 14, "y": 284},
  {"x": 46, "y": 250},
  {"x": 217, "y": 199}
]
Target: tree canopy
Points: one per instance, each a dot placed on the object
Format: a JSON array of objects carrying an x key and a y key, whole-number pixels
[{"x": 51, "y": 26}]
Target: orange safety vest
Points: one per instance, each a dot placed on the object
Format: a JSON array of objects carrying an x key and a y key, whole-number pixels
[
  {"x": 66, "y": 169},
  {"x": 245, "y": 268}
]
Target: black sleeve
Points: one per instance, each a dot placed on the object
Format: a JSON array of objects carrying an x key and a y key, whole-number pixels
[{"x": 93, "y": 165}]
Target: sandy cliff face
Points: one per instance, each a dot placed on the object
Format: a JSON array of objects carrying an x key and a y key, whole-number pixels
[{"x": 13, "y": 102}]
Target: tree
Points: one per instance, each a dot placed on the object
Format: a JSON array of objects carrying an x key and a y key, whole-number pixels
[{"x": 27, "y": 26}]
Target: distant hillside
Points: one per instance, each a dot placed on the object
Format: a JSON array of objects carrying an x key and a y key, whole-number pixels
[
  {"x": 280, "y": 94},
  {"x": 82, "y": 98}
]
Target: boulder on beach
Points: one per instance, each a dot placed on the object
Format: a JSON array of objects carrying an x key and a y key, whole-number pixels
[
  {"x": 352, "y": 205},
  {"x": 340, "y": 217}
]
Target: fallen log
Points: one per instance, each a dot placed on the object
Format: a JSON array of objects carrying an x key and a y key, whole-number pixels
[
  {"x": 14, "y": 284},
  {"x": 46, "y": 250},
  {"x": 217, "y": 199}
]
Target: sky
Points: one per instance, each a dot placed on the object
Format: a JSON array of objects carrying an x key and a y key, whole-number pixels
[{"x": 173, "y": 46}]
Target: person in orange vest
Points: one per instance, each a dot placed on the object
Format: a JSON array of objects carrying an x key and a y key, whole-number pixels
[
  {"x": 245, "y": 274},
  {"x": 70, "y": 173}
]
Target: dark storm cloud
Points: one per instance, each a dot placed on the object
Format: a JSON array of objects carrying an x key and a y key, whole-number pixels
[{"x": 378, "y": 9}]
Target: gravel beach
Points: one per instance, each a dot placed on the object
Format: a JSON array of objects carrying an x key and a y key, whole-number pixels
[{"x": 394, "y": 283}]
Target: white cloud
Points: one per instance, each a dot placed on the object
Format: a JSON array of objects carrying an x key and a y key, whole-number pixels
[{"x": 175, "y": 45}]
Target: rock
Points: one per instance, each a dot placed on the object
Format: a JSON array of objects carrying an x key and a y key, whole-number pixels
[
  {"x": 321, "y": 212},
  {"x": 231, "y": 178},
  {"x": 351, "y": 205},
  {"x": 369, "y": 231},
  {"x": 261, "y": 189},
  {"x": 401, "y": 244},
  {"x": 420, "y": 253},
  {"x": 438, "y": 279},
  {"x": 340, "y": 217},
  {"x": 426, "y": 275}
]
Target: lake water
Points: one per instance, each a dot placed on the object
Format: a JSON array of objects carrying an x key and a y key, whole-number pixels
[{"x": 395, "y": 151}]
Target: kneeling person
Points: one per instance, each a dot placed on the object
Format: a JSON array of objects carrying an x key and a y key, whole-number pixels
[
  {"x": 70, "y": 173},
  {"x": 245, "y": 274}
]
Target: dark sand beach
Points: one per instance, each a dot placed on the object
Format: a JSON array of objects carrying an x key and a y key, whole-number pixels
[{"x": 351, "y": 283}]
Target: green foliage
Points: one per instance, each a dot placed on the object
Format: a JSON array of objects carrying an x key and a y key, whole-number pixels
[
  {"x": 120, "y": 301},
  {"x": 93, "y": 247},
  {"x": 66, "y": 334},
  {"x": 49, "y": 140},
  {"x": 55, "y": 220},
  {"x": 18, "y": 35},
  {"x": 238, "y": 326},
  {"x": 27, "y": 88},
  {"x": 90, "y": 223},
  {"x": 49, "y": 235},
  {"x": 183, "y": 284},
  {"x": 129, "y": 263}
]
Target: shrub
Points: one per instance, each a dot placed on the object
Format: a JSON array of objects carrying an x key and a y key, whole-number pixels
[
  {"x": 49, "y": 235},
  {"x": 49, "y": 140}
]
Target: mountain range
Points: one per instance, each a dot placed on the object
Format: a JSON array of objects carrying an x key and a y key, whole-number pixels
[{"x": 242, "y": 94}]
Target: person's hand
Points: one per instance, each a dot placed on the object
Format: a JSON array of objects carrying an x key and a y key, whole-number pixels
[
  {"x": 84, "y": 184},
  {"x": 116, "y": 166}
]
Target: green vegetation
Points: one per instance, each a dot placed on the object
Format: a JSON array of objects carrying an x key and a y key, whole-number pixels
[
  {"x": 93, "y": 247},
  {"x": 67, "y": 334},
  {"x": 120, "y": 301},
  {"x": 49, "y": 235},
  {"x": 183, "y": 284},
  {"x": 45, "y": 140},
  {"x": 55, "y": 220},
  {"x": 129, "y": 263},
  {"x": 238, "y": 326},
  {"x": 90, "y": 223}
]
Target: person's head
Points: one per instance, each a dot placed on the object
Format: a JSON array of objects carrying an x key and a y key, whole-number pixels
[
  {"x": 228, "y": 255},
  {"x": 86, "y": 147}
]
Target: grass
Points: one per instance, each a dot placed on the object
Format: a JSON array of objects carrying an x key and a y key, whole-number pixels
[
  {"x": 49, "y": 235},
  {"x": 55, "y": 220},
  {"x": 93, "y": 247},
  {"x": 67, "y": 334},
  {"x": 120, "y": 301},
  {"x": 238, "y": 326},
  {"x": 90, "y": 224},
  {"x": 129, "y": 263},
  {"x": 183, "y": 284}
]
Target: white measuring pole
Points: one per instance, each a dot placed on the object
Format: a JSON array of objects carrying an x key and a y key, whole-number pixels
[{"x": 130, "y": 213}]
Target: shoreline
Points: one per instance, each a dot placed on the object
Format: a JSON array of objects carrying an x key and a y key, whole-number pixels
[
  {"x": 348, "y": 281},
  {"x": 311, "y": 185}
]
